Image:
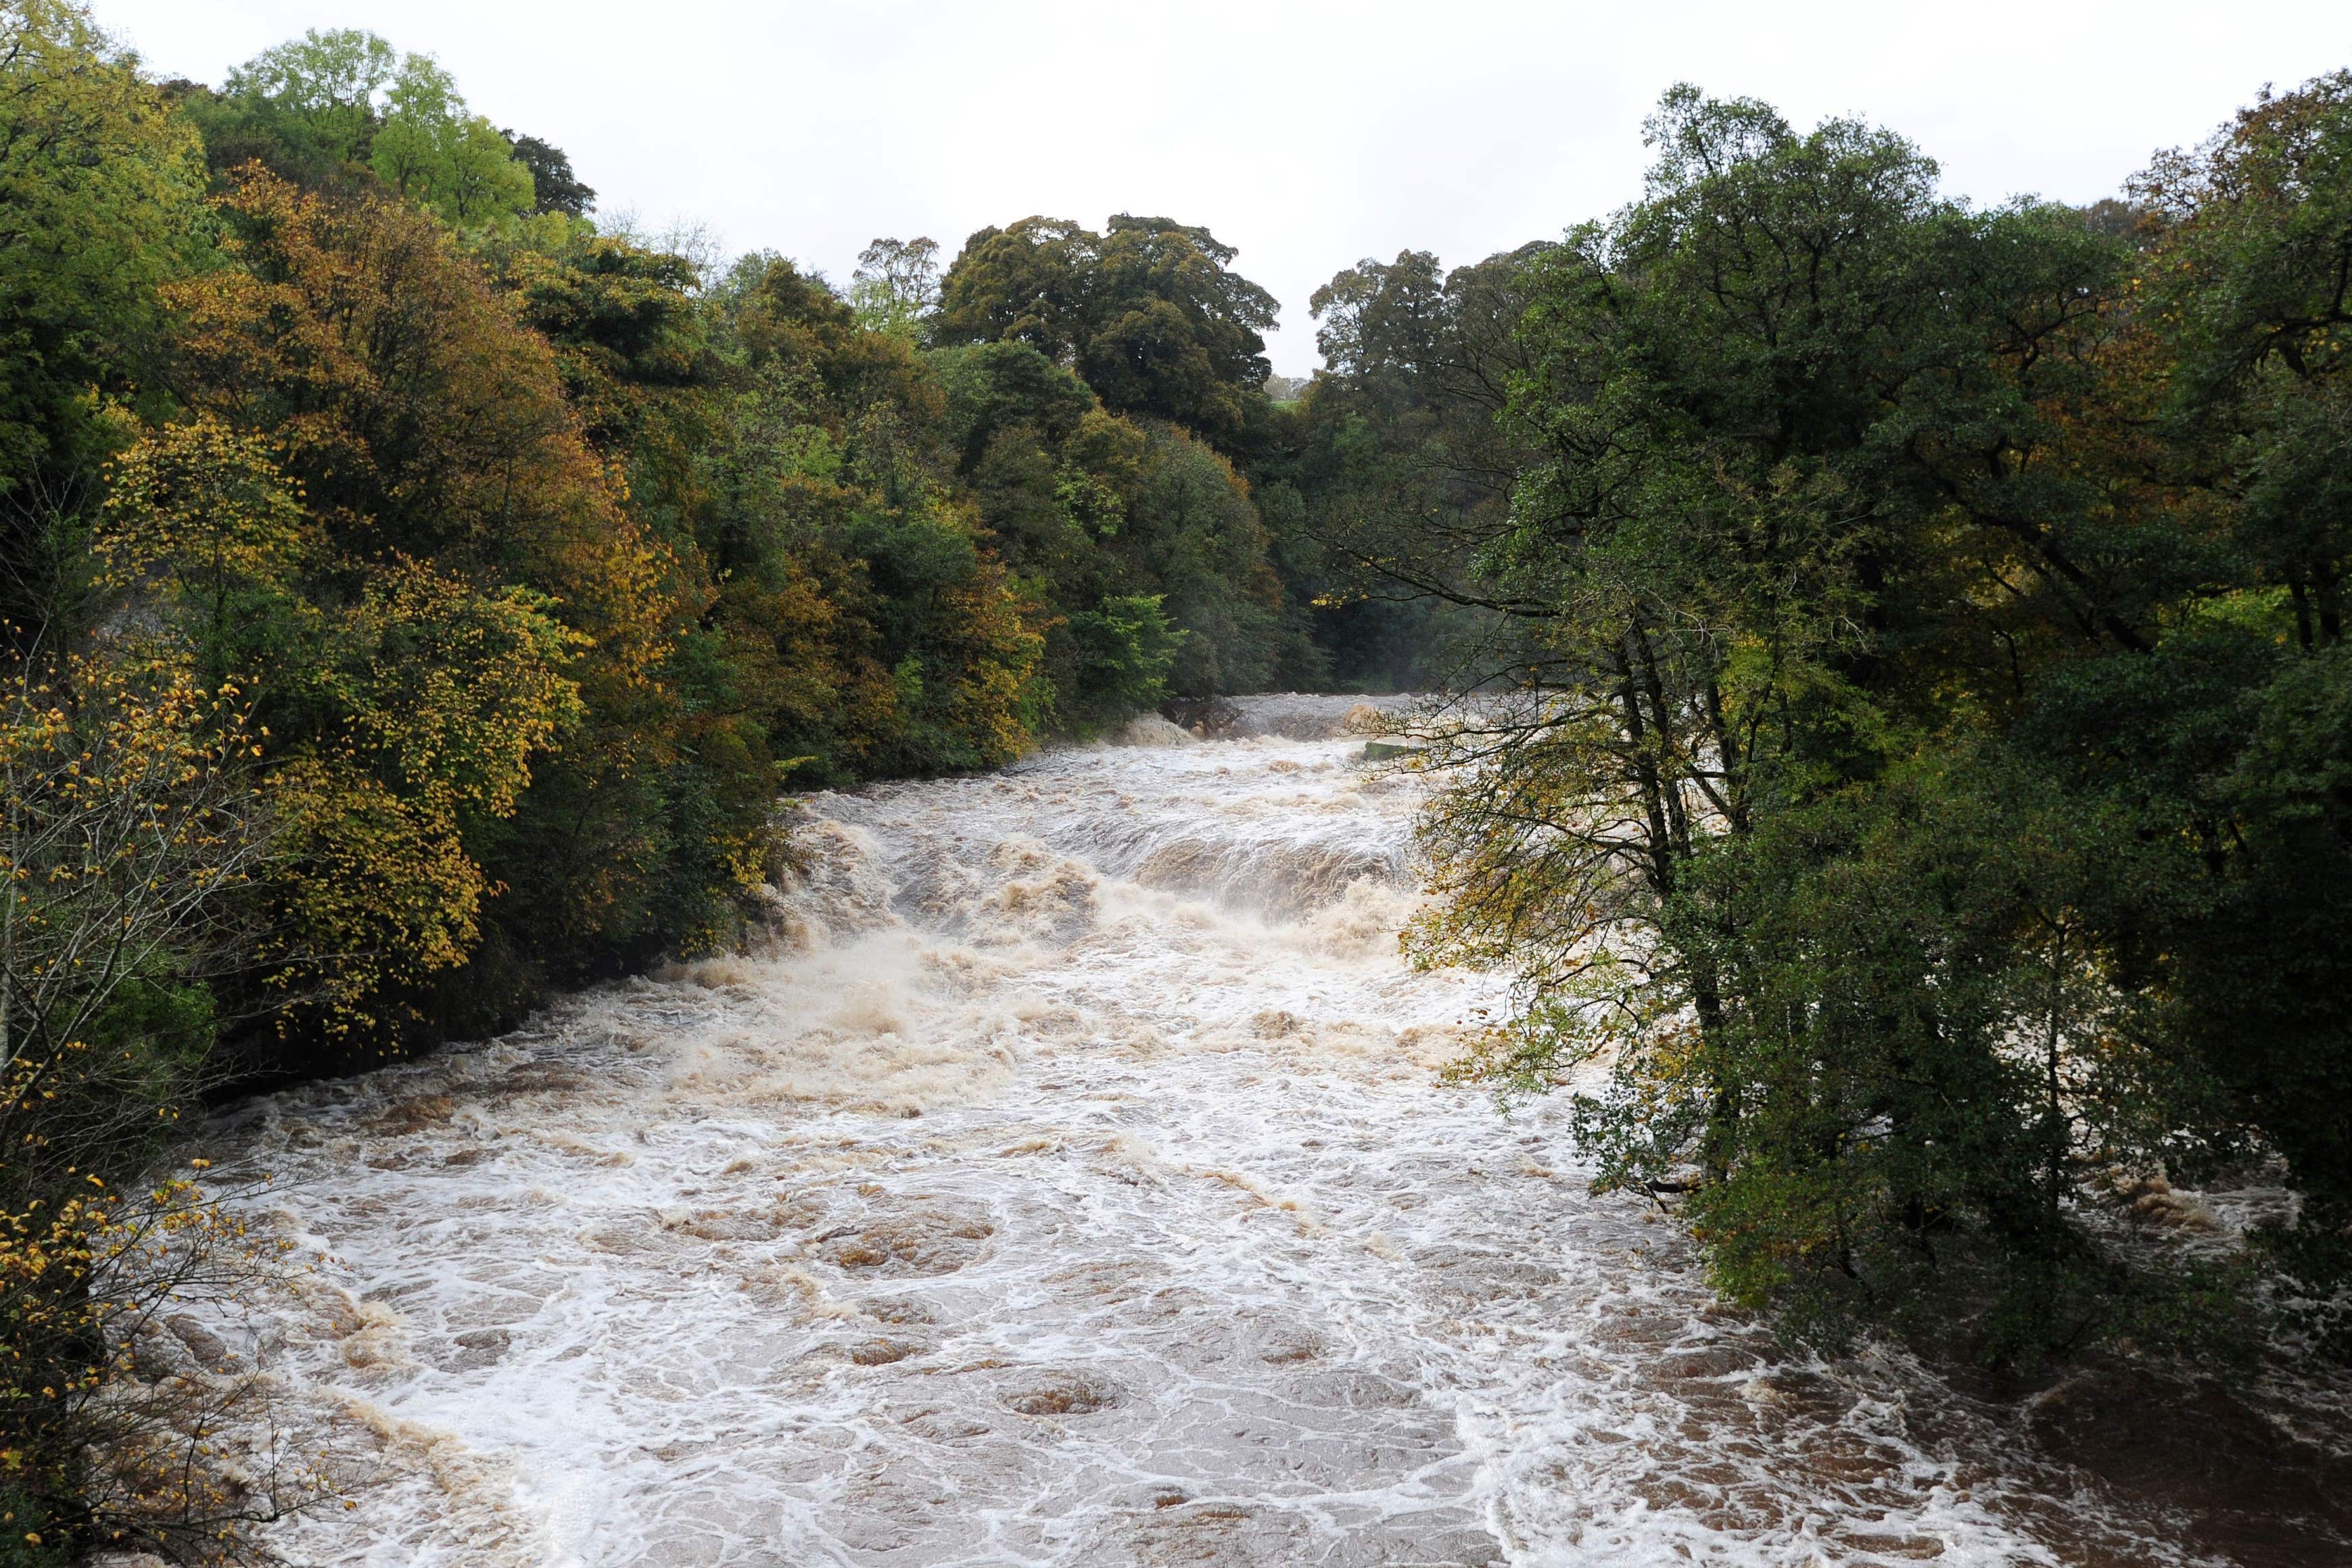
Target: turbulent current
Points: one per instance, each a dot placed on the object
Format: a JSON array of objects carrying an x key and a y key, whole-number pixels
[{"x": 1066, "y": 1181}]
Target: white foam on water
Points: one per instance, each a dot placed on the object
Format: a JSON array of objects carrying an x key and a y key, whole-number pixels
[{"x": 1069, "y": 1184}]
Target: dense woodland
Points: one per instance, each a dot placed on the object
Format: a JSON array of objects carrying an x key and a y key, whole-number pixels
[
  {"x": 1905, "y": 723},
  {"x": 1928, "y": 788}
]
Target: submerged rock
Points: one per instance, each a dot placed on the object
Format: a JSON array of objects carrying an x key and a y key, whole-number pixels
[{"x": 1150, "y": 729}]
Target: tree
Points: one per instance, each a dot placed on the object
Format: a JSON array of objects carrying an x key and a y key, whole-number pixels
[
  {"x": 100, "y": 203},
  {"x": 468, "y": 597},
  {"x": 2230, "y": 732},
  {"x": 897, "y": 284},
  {"x": 315, "y": 98},
  {"x": 1193, "y": 532},
  {"x": 339, "y": 106},
  {"x": 1402, "y": 464},
  {"x": 555, "y": 188},
  {"x": 434, "y": 150},
  {"x": 129, "y": 817},
  {"x": 1125, "y": 649},
  {"x": 130, "y": 824},
  {"x": 1102, "y": 512},
  {"x": 835, "y": 481},
  {"x": 1148, "y": 312},
  {"x": 1824, "y": 509}
]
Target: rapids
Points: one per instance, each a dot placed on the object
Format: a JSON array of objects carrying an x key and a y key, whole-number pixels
[{"x": 1067, "y": 1182}]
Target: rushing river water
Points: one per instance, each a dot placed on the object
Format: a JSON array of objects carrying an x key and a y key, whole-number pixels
[{"x": 1072, "y": 1185}]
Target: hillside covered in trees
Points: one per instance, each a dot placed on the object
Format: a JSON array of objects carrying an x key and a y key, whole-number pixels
[{"x": 1906, "y": 730}]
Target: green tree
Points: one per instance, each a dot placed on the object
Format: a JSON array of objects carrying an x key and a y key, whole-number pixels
[
  {"x": 1149, "y": 312},
  {"x": 310, "y": 106},
  {"x": 1097, "y": 511},
  {"x": 555, "y": 188},
  {"x": 897, "y": 286},
  {"x": 100, "y": 203},
  {"x": 894, "y": 640},
  {"x": 337, "y": 106},
  {"x": 1400, "y": 464},
  {"x": 435, "y": 151},
  {"x": 1193, "y": 530},
  {"x": 1125, "y": 650},
  {"x": 1825, "y": 509},
  {"x": 2232, "y": 731}
]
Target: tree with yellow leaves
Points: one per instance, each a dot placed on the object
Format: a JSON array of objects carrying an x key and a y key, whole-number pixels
[{"x": 130, "y": 824}]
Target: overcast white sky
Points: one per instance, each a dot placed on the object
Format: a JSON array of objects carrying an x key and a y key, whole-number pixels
[{"x": 1305, "y": 132}]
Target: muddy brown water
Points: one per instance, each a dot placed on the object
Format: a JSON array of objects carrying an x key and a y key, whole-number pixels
[{"x": 1069, "y": 1184}]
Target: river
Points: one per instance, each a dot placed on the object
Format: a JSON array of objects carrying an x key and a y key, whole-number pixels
[{"x": 1067, "y": 1182}]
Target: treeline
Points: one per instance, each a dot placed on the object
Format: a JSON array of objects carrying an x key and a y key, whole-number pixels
[
  {"x": 1916, "y": 761},
  {"x": 417, "y": 593}
]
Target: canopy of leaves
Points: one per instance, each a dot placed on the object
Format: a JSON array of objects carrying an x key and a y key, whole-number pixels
[
  {"x": 556, "y": 189},
  {"x": 101, "y": 201},
  {"x": 1148, "y": 312},
  {"x": 330, "y": 106},
  {"x": 1394, "y": 470},
  {"x": 431, "y": 149}
]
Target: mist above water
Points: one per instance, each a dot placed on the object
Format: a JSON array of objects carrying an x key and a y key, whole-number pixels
[{"x": 1065, "y": 1180}]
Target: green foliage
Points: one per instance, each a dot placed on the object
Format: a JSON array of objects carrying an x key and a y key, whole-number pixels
[
  {"x": 1191, "y": 526},
  {"x": 1928, "y": 785},
  {"x": 1092, "y": 506},
  {"x": 432, "y": 150},
  {"x": 308, "y": 107},
  {"x": 1125, "y": 648},
  {"x": 1148, "y": 312},
  {"x": 1929, "y": 1055},
  {"x": 342, "y": 106},
  {"x": 102, "y": 191},
  {"x": 897, "y": 286},
  {"x": 329, "y": 80},
  {"x": 555, "y": 188},
  {"x": 1394, "y": 470},
  {"x": 893, "y": 641}
]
